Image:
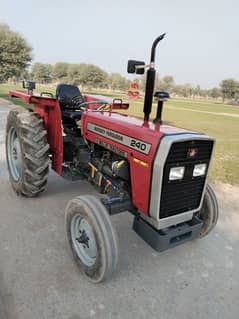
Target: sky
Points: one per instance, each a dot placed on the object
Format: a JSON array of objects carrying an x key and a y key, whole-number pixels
[{"x": 201, "y": 46}]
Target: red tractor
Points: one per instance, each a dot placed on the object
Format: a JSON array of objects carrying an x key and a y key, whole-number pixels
[{"x": 155, "y": 171}]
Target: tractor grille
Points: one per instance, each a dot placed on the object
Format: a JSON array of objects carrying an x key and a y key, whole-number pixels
[
  {"x": 179, "y": 151},
  {"x": 183, "y": 195}
]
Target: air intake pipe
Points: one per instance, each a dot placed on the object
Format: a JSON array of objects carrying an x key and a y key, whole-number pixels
[{"x": 161, "y": 96}]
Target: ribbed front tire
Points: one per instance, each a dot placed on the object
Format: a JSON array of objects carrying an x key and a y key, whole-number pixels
[
  {"x": 92, "y": 237},
  {"x": 209, "y": 211},
  {"x": 27, "y": 152}
]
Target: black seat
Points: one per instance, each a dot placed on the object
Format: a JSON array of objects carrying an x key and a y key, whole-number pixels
[{"x": 69, "y": 96}]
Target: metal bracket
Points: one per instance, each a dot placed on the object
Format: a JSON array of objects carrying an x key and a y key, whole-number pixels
[{"x": 170, "y": 237}]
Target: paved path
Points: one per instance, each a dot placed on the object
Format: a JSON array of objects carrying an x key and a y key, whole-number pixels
[{"x": 38, "y": 279}]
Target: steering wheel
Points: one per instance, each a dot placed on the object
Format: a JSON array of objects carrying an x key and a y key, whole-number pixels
[{"x": 93, "y": 102}]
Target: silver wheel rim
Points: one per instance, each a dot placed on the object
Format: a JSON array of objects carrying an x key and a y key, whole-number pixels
[
  {"x": 83, "y": 240},
  {"x": 14, "y": 154}
]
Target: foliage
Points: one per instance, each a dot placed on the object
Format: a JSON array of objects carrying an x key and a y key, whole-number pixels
[
  {"x": 117, "y": 82},
  {"x": 15, "y": 53},
  {"x": 42, "y": 73},
  {"x": 230, "y": 89},
  {"x": 166, "y": 83},
  {"x": 88, "y": 75},
  {"x": 215, "y": 93},
  {"x": 60, "y": 71},
  {"x": 93, "y": 76},
  {"x": 74, "y": 73}
]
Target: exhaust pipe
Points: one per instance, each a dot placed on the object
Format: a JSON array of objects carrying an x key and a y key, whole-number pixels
[{"x": 150, "y": 80}]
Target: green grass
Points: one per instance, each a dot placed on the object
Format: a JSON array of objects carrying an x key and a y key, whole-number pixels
[
  {"x": 224, "y": 128},
  {"x": 4, "y": 89},
  {"x": 205, "y": 106},
  {"x": 184, "y": 113}
]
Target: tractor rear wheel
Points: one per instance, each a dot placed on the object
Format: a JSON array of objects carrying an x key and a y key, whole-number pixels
[
  {"x": 27, "y": 152},
  {"x": 92, "y": 237},
  {"x": 209, "y": 211}
]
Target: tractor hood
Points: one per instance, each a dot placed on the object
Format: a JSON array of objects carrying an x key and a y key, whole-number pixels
[{"x": 129, "y": 134}]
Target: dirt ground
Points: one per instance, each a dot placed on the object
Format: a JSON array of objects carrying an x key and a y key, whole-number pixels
[{"x": 39, "y": 280}]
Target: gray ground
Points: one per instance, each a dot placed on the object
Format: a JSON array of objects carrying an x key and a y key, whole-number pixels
[{"x": 38, "y": 278}]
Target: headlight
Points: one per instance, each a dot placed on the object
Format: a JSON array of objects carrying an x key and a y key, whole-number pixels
[
  {"x": 199, "y": 170},
  {"x": 176, "y": 173}
]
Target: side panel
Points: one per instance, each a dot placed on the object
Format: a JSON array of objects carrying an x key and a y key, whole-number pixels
[{"x": 140, "y": 185}]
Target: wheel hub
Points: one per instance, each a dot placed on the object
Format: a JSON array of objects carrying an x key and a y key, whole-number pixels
[
  {"x": 14, "y": 154},
  {"x": 83, "y": 240}
]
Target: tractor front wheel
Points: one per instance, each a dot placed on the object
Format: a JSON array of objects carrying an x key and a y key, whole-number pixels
[
  {"x": 27, "y": 152},
  {"x": 209, "y": 211},
  {"x": 92, "y": 237}
]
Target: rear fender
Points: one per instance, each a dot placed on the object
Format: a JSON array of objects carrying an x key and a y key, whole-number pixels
[{"x": 49, "y": 111}]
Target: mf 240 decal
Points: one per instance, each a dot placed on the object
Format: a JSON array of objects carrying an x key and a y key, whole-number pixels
[{"x": 133, "y": 143}]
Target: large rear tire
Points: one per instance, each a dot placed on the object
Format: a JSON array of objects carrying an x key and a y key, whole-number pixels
[
  {"x": 27, "y": 152},
  {"x": 92, "y": 237},
  {"x": 209, "y": 211}
]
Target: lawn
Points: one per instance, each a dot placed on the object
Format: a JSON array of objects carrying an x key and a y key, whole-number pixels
[{"x": 216, "y": 119}]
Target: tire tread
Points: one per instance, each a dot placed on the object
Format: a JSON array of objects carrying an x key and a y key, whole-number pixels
[
  {"x": 96, "y": 212},
  {"x": 35, "y": 151}
]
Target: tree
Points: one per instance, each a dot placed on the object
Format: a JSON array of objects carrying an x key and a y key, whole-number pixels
[
  {"x": 60, "y": 71},
  {"x": 15, "y": 53},
  {"x": 197, "y": 90},
  {"x": 215, "y": 93},
  {"x": 93, "y": 76},
  {"x": 117, "y": 82},
  {"x": 230, "y": 89},
  {"x": 74, "y": 73},
  {"x": 185, "y": 90},
  {"x": 42, "y": 73},
  {"x": 87, "y": 75},
  {"x": 167, "y": 83}
]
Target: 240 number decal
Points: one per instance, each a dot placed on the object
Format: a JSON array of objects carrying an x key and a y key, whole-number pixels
[{"x": 138, "y": 145}]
